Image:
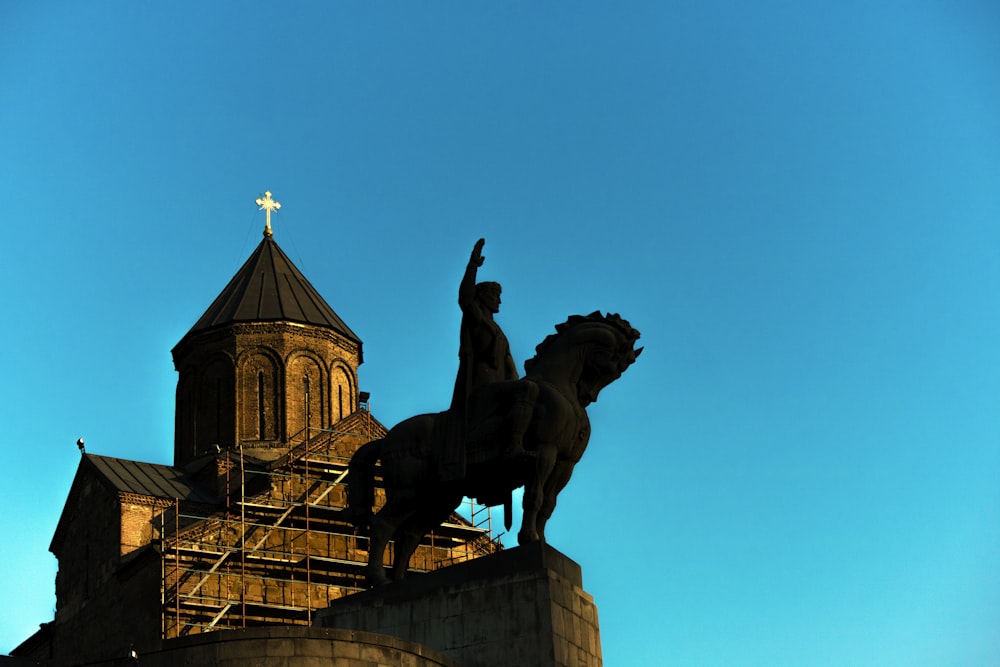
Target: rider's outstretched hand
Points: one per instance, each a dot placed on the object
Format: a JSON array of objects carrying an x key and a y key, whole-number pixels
[{"x": 477, "y": 253}]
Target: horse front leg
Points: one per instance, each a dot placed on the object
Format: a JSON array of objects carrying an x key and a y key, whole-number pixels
[
  {"x": 545, "y": 461},
  {"x": 556, "y": 482}
]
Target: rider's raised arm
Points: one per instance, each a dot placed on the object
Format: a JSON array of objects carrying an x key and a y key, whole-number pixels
[{"x": 467, "y": 288}]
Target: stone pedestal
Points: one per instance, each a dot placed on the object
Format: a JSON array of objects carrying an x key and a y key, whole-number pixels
[{"x": 523, "y": 607}]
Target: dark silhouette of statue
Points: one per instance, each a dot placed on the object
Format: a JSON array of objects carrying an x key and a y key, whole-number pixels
[{"x": 501, "y": 432}]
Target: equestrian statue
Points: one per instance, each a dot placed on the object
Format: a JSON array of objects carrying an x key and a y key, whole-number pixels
[{"x": 500, "y": 432}]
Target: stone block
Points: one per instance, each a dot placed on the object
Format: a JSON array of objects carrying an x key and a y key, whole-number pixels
[
  {"x": 280, "y": 647},
  {"x": 525, "y": 606},
  {"x": 559, "y": 621}
]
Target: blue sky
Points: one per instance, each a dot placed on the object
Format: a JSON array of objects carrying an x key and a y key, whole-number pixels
[{"x": 796, "y": 203}]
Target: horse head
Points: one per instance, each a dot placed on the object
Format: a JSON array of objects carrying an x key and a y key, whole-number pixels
[{"x": 595, "y": 349}]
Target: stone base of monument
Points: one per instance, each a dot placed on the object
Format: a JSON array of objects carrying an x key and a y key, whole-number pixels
[{"x": 522, "y": 606}]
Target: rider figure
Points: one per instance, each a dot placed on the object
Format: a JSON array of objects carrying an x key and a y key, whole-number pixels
[
  {"x": 485, "y": 359},
  {"x": 484, "y": 354}
]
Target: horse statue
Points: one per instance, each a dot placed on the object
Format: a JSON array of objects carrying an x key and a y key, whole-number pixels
[{"x": 566, "y": 374}]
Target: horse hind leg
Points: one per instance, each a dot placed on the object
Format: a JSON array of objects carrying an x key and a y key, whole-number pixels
[
  {"x": 384, "y": 526},
  {"x": 360, "y": 486},
  {"x": 423, "y": 521},
  {"x": 381, "y": 532},
  {"x": 406, "y": 543}
]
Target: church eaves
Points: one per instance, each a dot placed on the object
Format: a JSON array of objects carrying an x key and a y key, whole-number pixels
[{"x": 269, "y": 288}]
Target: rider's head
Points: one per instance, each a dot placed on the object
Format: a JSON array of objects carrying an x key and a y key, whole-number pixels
[{"x": 489, "y": 295}]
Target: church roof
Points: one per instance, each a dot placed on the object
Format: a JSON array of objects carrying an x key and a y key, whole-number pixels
[
  {"x": 123, "y": 476},
  {"x": 148, "y": 479},
  {"x": 269, "y": 288}
]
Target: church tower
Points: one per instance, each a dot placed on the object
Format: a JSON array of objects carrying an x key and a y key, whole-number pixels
[{"x": 268, "y": 364}]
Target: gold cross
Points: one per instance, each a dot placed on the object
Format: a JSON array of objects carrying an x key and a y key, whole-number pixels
[{"x": 268, "y": 204}]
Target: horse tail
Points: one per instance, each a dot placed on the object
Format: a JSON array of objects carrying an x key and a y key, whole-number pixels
[{"x": 361, "y": 483}]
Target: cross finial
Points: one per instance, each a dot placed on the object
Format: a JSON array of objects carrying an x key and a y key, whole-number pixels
[{"x": 268, "y": 204}]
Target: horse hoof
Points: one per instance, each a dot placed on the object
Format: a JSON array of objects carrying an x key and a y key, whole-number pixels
[
  {"x": 376, "y": 577},
  {"x": 527, "y": 537}
]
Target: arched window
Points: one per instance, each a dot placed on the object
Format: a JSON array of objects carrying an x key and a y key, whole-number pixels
[
  {"x": 215, "y": 407},
  {"x": 259, "y": 398},
  {"x": 261, "y": 407},
  {"x": 307, "y": 402},
  {"x": 344, "y": 392}
]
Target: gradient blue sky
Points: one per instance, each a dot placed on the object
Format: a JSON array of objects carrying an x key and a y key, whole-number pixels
[{"x": 798, "y": 204}]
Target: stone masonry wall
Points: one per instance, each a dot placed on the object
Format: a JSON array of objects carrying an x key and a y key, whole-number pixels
[
  {"x": 288, "y": 647},
  {"x": 519, "y": 607}
]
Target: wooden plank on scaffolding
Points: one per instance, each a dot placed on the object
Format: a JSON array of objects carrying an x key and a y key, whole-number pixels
[
  {"x": 220, "y": 615},
  {"x": 211, "y": 571}
]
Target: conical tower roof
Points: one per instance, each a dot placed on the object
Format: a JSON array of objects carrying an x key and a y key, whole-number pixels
[{"x": 270, "y": 288}]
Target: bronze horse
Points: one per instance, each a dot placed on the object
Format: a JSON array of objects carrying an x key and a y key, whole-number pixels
[{"x": 569, "y": 369}]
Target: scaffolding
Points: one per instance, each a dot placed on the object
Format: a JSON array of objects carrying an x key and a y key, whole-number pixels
[{"x": 278, "y": 550}]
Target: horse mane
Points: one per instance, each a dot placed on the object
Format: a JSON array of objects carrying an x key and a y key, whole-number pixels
[{"x": 611, "y": 319}]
